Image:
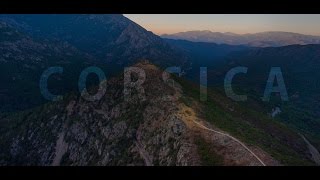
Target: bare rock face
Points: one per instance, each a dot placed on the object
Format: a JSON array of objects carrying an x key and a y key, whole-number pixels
[
  {"x": 111, "y": 131},
  {"x": 148, "y": 125}
]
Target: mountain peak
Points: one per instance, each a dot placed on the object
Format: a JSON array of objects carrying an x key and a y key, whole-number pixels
[{"x": 111, "y": 38}]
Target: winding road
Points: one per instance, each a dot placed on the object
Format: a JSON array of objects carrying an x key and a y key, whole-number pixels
[
  {"x": 231, "y": 137},
  {"x": 313, "y": 151}
]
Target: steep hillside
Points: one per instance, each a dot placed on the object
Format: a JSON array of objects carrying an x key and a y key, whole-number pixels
[
  {"x": 22, "y": 61},
  {"x": 300, "y": 69},
  {"x": 165, "y": 125},
  {"x": 30, "y": 44},
  {"x": 110, "y": 38},
  {"x": 111, "y": 131},
  {"x": 248, "y": 122}
]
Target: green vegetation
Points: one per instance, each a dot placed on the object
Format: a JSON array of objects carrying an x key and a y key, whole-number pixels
[
  {"x": 250, "y": 126},
  {"x": 207, "y": 154}
]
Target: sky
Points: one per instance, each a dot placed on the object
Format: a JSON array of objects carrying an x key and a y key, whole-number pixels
[{"x": 235, "y": 23}]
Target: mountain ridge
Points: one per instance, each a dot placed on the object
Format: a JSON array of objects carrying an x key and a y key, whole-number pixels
[
  {"x": 157, "y": 130},
  {"x": 111, "y": 38},
  {"x": 164, "y": 122},
  {"x": 261, "y": 39},
  {"x": 73, "y": 42},
  {"x": 160, "y": 129}
]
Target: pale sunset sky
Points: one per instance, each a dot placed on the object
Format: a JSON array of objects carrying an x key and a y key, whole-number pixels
[{"x": 235, "y": 23}]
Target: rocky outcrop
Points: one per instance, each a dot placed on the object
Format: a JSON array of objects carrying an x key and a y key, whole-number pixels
[{"x": 111, "y": 131}]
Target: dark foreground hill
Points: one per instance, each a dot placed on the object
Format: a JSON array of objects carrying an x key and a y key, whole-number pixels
[{"x": 162, "y": 123}]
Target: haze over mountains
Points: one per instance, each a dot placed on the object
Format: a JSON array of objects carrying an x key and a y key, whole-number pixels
[
  {"x": 162, "y": 128},
  {"x": 263, "y": 39}
]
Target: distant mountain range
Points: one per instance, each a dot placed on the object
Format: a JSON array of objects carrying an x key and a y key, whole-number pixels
[
  {"x": 263, "y": 39},
  {"x": 170, "y": 126}
]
